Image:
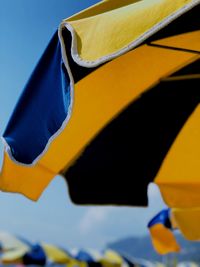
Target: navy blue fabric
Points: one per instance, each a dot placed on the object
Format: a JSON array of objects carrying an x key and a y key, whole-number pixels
[
  {"x": 131, "y": 148},
  {"x": 163, "y": 218},
  {"x": 35, "y": 256},
  {"x": 42, "y": 107},
  {"x": 84, "y": 256}
]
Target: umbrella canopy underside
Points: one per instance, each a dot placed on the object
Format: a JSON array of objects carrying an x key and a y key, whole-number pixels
[{"x": 136, "y": 113}]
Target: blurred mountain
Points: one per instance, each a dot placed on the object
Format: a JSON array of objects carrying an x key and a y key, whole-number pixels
[{"x": 141, "y": 247}]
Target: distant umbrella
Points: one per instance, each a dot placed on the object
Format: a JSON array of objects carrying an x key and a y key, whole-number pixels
[
  {"x": 161, "y": 231},
  {"x": 162, "y": 227},
  {"x": 56, "y": 254},
  {"x": 133, "y": 69},
  {"x": 35, "y": 256},
  {"x": 90, "y": 257},
  {"x": 10, "y": 242},
  {"x": 12, "y": 248},
  {"x": 86, "y": 255},
  {"x": 16, "y": 250},
  {"x": 113, "y": 259},
  {"x": 106, "y": 258},
  {"x": 44, "y": 254}
]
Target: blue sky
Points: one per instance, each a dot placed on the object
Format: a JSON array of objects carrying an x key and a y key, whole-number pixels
[{"x": 26, "y": 27}]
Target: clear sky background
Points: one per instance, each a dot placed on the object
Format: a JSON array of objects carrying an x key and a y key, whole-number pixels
[{"x": 26, "y": 26}]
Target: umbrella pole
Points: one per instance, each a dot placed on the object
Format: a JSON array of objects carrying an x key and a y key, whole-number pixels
[{"x": 166, "y": 260}]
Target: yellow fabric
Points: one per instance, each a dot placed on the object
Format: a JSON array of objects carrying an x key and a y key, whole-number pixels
[
  {"x": 173, "y": 220},
  {"x": 13, "y": 248},
  {"x": 76, "y": 263},
  {"x": 29, "y": 181},
  {"x": 111, "y": 259},
  {"x": 100, "y": 7},
  {"x": 179, "y": 176},
  {"x": 98, "y": 98},
  {"x": 10, "y": 242},
  {"x": 106, "y": 92},
  {"x": 13, "y": 256},
  {"x": 189, "y": 40},
  {"x": 112, "y": 27},
  {"x": 163, "y": 240},
  {"x": 55, "y": 254},
  {"x": 188, "y": 221}
]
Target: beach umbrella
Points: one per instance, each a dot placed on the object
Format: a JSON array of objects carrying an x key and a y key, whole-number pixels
[
  {"x": 12, "y": 248},
  {"x": 13, "y": 257},
  {"x": 15, "y": 249},
  {"x": 55, "y": 254},
  {"x": 132, "y": 68},
  {"x": 161, "y": 232},
  {"x": 162, "y": 226},
  {"x": 44, "y": 254},
  {"x": 10, "y": 242},
  {"x": 91, "y": 257},
  {"x": 106, "y": 258},
  {"x": 37, "y": 254},
  {"x": 187, "y": 221},
  {"x": 112, "y": 258}
]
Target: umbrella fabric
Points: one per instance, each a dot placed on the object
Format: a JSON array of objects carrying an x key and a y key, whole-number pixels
[
  {"x": 188, "y": 221},
  {"x": 55, "y": 254},
  {"x": 77, "y": 263},
  {"x": 18, "y": 250},
  {"x": 89, "y": 257},
  {"x": 86, "y": 255},
  {"x": 10, "y": 242},
  {"x": 162, "y": 237},
  {"x": 43, "y": 253},
  {"x": 44, "y": 105},
  {"x": 12, "y": 248},
  {"x": 107, "y": 258},
  {"x": 162, "y": 225},
  {"x": 13, "y": 256},
  {"x": 113, "y": 259},
  {"x": 129, "y": 111},
  {"x": 36, "y": 255}
]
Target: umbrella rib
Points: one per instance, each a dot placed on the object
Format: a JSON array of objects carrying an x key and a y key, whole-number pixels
[
  {"x": 174, "y": 48},
  {"x": 181, "y": 77}
]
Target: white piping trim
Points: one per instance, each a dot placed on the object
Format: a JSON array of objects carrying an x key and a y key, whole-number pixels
[{"x": 88, "y": 64}]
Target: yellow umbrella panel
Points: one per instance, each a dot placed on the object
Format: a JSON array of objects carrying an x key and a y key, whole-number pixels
[
  {"x": 126, "y": 113},
  {"x": 111, "y": 258},
  {"x": 188, "y": 221},
  {"x": 125, "y": 156},
  {"x": 13, "y": 248},
  {"x": 55, "y": 255},
  {"x": 13, "y": 256}
]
